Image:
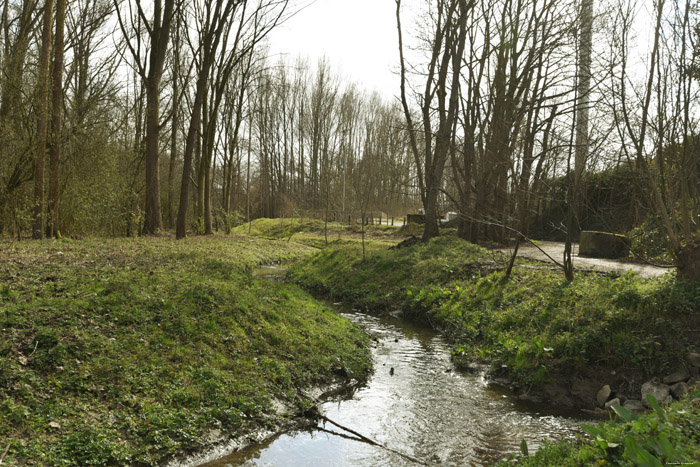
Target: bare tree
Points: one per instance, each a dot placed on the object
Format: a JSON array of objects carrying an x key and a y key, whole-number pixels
[
  {"x": 56, "y": 114},
  {"x": 439, "y": 100},
  {"x": 656, "y": 126},
  {"x": 43, "y": 117},
  {"x": 150, "y": 69},
  {"x": 215, "y": 17}
]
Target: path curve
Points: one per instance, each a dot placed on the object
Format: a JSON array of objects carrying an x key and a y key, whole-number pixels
[{"x": 556, "y": 251}]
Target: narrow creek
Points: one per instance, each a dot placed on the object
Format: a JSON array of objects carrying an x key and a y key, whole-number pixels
[{"x": 416, "y": 403}]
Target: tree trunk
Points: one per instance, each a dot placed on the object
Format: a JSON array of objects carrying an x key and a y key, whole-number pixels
[
  {"x": 42, "y": 111},
  {"x": 431, "y": 224},
  {"x": 153, "y": 219},
  {"x": 688, "y": 261},
  {"x": 57, "y": 111},
  {"x": 195, "y": 122}
]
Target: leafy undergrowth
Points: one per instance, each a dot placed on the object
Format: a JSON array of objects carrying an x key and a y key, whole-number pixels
[
  {"x": 666, "y": 436},
  {"x": 131, "y": 351},
  {"x": 532, "y": 327}
]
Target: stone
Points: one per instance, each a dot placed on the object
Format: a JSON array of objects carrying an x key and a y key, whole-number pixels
[
  {"x": 694, "y": 359},
  {"x": 679, "y": 390},
  {"x": 694, "y": 372},
  {"x": 681, "y": 374},
  {"x": 668, "y": 400},
  {"x": 655, "y": 388},
  {"x": 693, "y": 381},
  {"x": 597, "y": 413},
  {"x": 612, "y": 402},
  {"x": 633, "y": 405},
  {"x": 603, "y": 245},
  {"x": 603, "y": 395}
]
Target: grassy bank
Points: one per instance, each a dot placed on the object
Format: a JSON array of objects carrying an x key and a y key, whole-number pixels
[
  {"x": 313, "y": 232},
  {"x": 130, "y": 351},
  {"x": 532, "y": 326},
  {"x": 552, "y": 339}
]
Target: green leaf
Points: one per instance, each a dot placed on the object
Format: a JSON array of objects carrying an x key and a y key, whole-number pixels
[
  {"x": 523, "y": 448},
  {"x": 640, "y": 456},
  {"x": 593, "y": 431},
  {"x": 657, "y": 408},
  {"x": 624, "y": 414},
  {"x": 665, "y": 447}
]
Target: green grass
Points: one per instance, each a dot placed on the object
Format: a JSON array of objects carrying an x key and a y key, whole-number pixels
[
  {"x": 312, "y": 232},
  {"x": 382, "y": 281},
  {"x": 131, "y": 351},
  {"x": 534, "y": 328},
  {"x": 666, "y": 436},
  {"x": 531, "y": 326}
]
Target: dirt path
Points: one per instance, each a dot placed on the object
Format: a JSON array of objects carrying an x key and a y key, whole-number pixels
[{"x": 556, "y": 251}]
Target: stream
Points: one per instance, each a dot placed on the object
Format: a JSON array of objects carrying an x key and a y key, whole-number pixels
[{"x": 415, "y": 403}]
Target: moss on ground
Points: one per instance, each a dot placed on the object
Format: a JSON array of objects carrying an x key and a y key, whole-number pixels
[
  {"x": 534, "y": 328},
  {"x": 130, "y": 351}
]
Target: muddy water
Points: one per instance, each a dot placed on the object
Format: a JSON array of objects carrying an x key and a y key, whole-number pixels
[{"x": 418, "y": 404}]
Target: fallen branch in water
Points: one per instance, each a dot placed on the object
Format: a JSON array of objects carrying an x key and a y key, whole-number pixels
[{"x": 370, "y": 441}]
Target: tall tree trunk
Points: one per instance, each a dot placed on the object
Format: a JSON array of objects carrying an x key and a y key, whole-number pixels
[
  {"x": 209, "y": 180},
  {"x": 159, "y": 32},
  {"x": 42, "y": 113},
  {"x": 584, "y": 92},
  {"x": 203, "y": 165},
  {"x": 195, "y": 122},
  {"x": 57, "y": 104},
  {"x": 175, "y": 123},
  {"x": 153, "y": 219}
]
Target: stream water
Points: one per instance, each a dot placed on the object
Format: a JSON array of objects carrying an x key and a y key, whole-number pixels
[{"x": 416, "y": 403}]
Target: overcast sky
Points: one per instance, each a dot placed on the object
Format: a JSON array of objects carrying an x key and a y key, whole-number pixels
[{"x": 359, "y": 37}]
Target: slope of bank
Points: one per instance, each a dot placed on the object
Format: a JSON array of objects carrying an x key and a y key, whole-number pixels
[
  {"x": 315, "y": 232},
  {"x": 129, "y": 351},
  {"x": 551, "y": 340}
]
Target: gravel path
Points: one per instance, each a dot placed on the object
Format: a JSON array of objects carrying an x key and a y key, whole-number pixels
[{"x": 556, "y": 251}]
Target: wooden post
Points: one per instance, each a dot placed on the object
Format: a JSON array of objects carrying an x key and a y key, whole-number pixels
[{"x": 392, "y": 221}]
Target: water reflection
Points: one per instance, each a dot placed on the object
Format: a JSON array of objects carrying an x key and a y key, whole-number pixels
[{"x": 417, "y": 404}]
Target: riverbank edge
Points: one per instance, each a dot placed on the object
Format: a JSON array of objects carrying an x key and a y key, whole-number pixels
[
  {"x": 220, "y": 268},
  {"x": 286, "y": 421},
  {"x": 670, "y": 433},
  {"x": 432, "y": 297}
]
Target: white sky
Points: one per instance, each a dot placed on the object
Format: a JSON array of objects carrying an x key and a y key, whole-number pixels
[
  {"x": 358, "y": 37},
  {"x": 360, "y": 40}
]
